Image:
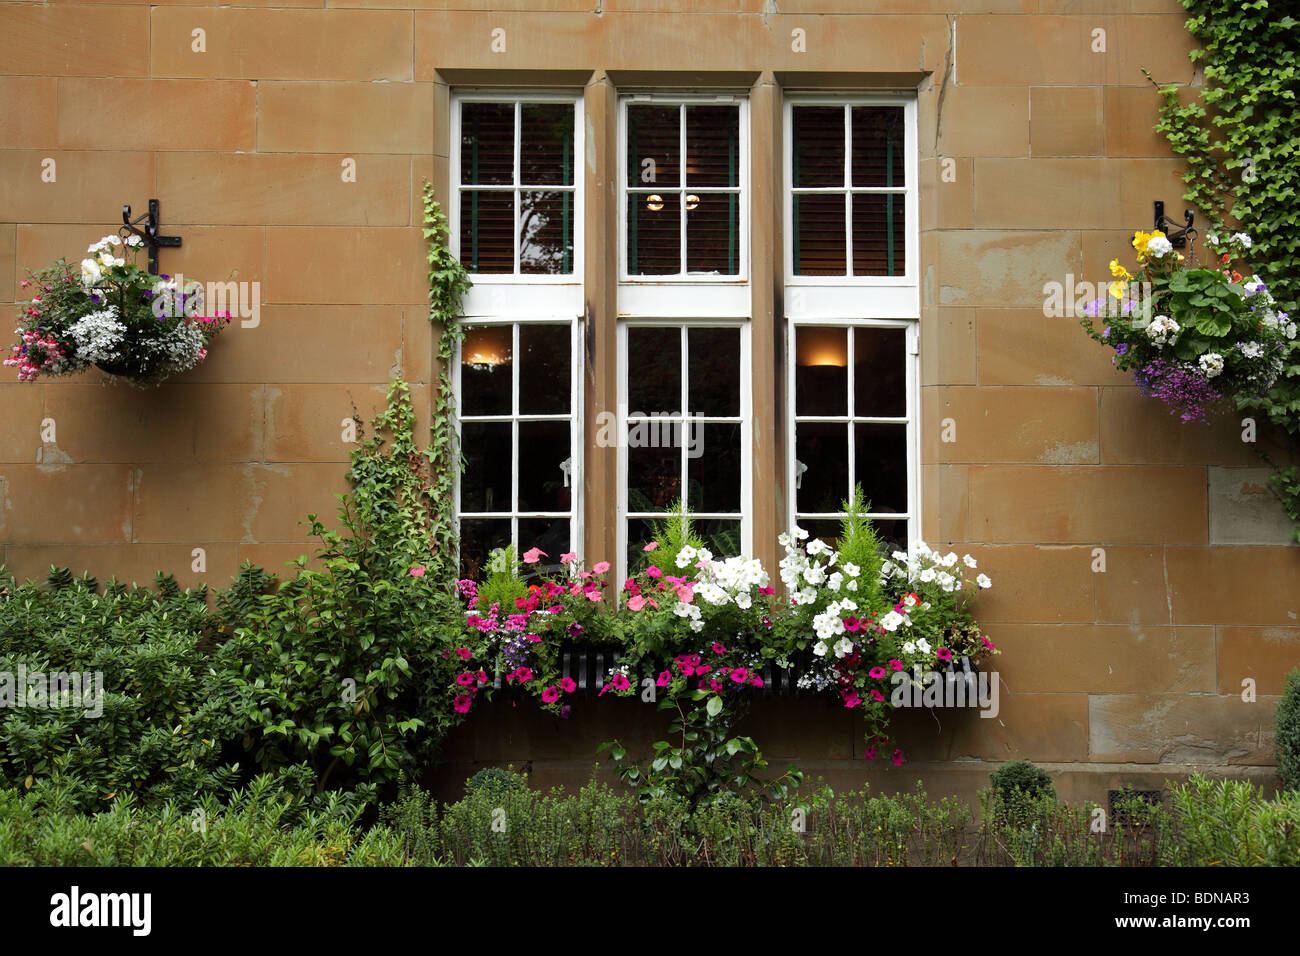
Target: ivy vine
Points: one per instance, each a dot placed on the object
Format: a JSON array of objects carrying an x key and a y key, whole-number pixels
[{"x": 1240, "y": 142}]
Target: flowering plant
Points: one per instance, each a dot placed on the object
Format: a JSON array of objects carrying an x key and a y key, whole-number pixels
[
  {"x": 1201, "y": 334},
  {"x": 113, "y": 315}
]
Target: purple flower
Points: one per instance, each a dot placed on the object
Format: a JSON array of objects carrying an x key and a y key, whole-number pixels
[
  {"x": 1121, "y": 348},
  {"x": 1106, "y": 332},
  {"x": 1184, "y": 388}
]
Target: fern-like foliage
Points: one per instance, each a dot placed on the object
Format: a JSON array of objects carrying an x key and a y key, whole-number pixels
[{"x": 860, "y": 545}]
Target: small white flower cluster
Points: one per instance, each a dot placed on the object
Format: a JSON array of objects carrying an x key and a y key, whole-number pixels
[
  {"x": 1211, "y": 364},
  {"x": 730, "y": 581},
  {"x": 179, "y": 351},
  {"x": 692, "y": 611},
  {"x": 1163, "y": 330},
  {"x": 99, "y": 335},
  {"x": 803, "y": 570},
  {"x": 1159, "y": 247},
  {"x": 93, "y": 270},
  {"x": 1251, "y": 350},
  {"x": 929, "y": 567}
]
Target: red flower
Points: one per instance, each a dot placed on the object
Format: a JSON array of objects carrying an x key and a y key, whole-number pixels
[{"x": 871, "y": 753}]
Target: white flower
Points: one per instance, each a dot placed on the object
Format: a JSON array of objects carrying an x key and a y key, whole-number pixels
[
  {"x": 909, "y": 647},
  {"x": 91, "y": 273},
  {"x": 950, "y": 559},
  {"x": 744, "y": 601},
  {"x": 1289, "y": 331},
  {"x": 834, "y": 581},
  {"x": 983, "y": 581},
  {"x": 1159, "y": 247},
  {"x": 697, "y": 625},
  {"x": 1162, "y": 329},
  {"x": 1211, "y": 364},
  {"x": 134, "y": 241},
  {"x": 923, "y": 645},
  {"x": 1212, "y": 239},
  {"x": 851, "y": 569},
  {"x": 969, "y": 561},
  {"x": 1251, "y": 350},
  {"x": 820, "y": 649},
  {"x": 704, "y": 554},
  {"x": 815, "y": 574},
  {"x": 801, "y": 534},
  {"x": 685, "y": 557},
  {"x": 928, "y": 575},
  {"x": 891, "y": 621},
  {"x": 946, "y": 581},
  {"x": 852, "y": 585},
  {"x": 1242, "y": 238},
  {"x": 98, "y": 336},
  {"x": 843, "y": 647},
  {"x": 681, "y": 609}
]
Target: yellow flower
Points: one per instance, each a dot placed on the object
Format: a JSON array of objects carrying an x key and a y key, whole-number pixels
[
  {"x": 1118, "y": 271},
  {"x": 1117, "y": 290},
  {"x": 1141, "y": 239}
]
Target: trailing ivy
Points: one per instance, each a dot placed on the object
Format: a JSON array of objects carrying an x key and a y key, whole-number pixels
[
  {"x": 448, "y": 283},
  {"x": 1240, "y": 143}
]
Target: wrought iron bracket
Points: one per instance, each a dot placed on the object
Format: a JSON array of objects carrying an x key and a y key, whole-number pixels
[
  {"x": 1178, "y": 235},
  {"x": 152, "y": 240}
]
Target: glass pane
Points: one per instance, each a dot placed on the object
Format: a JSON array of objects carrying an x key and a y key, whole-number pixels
[
  {"x": 545, "y": 233},
  {"x": 879, "y": 236},
  {"x": 893, "y": 534},
  {"x": 879, "y": 372},
  {"x": 881, "y": 460},
  {"x": 822, "y": 447},
  {"x": 825, "y": 529},
  {"x": 654, "y": 474},
  {"x": 487, "y": 143},
  {"x": 653, "y": 145},
  {"x": 712, "y": 146},
  {"x": 640, "y": 532},
  {"x": 713, "y": 467},
  {"x": 721, "y": 536},
  {"x": 654, "y": 370},
  {"x": 818, "y": 146},
  {"x": 878, "y": 146},
  {"x": 551, "y": 535},
  {"x": 713, "y": 367},
  {"x": 478, "y": 536},
  {"x": 546, "y": 144},
  {"x": 821, "y": 371},
  {"x": 485, "y": 372},
  {"x": 545, "y": 470},
  {"x": 485, "y": 486},
  {"x": 544, "y": 374},
  {"x": 819, "y": 235},
  {"x": 654, "y": 235},
  {"x": 713, "y": 233},
  {"x": 487, "y": 230}
]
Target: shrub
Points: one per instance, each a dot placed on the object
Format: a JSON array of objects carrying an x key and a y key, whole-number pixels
[
  {"x": 1288, "y": 733},
  {"x": 1024, "y": 777},
  {"x": 495, "y": 780},
  {"x": 1229, "y": 823}
]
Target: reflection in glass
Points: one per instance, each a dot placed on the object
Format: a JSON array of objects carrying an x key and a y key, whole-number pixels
[
  {"x": 654, "y": 370},
  {"x": 546, "y": 144},
  {"x": 713, "y": 357},
  {"x": 487, "y": 229},
  {"x": 822, "y": 448},
  {"x": 487, "y": 144},
  {"x": 819, "y": 234},
  {"x": 654, "y": 239},
  {"x": 879, "y": 236},
  {"x": 478, "y": 537},
  {"x": 714, "y": 475},
  {"x": 653, "y": 145},
  {"x": 485, "y": 485},
  {"x": 879, "y": 373},
  {"x": 485, "y": 374},
  {"x": 821, "y": 374},
  {"x": 544, "y": 370},
  {"x": 545, "y": 233},
  {"x": 712, "y": 233},
  {"x": 544, "y": 452},
  {"x": 818, "y": 146},
  {"x": 881, "y": 460}
]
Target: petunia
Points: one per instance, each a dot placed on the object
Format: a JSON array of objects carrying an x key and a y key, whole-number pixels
[
  {"x": 876, "y": 673},
  {"x": 636, "y": 603},
  {"x": 719, "y": 649},
  {"x": 551, "y": 694},
  {"x": 533, "y": 555},
  {"x": 464, "y": 653},
  {"x": 620, "y": 682},
  {"x": 653, "y": 571},
  {"x": 568, "y": 557},
  {"x": 600, "y": 567},
  {"x": 665, "y": 678},
  {"x": 466, "y": 679},
  {"x": 895, "y": 664},
  {"x": 740, "y": 675},
  {"x": 898, "y": 758},
  {"x": 418, "y": 571},
  {"x": 943, "y": 654},
  {"x": 871, "y": 753},
  {"x": 461, "y": 704},
  {"x": 878, "y": 697},
  {"x": 568, "y": 685},
  {"x": 651, "y": 546},
  {"x": 756, "y": 681}
]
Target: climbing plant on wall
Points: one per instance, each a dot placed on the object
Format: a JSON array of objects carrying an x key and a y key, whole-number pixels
[{"x": 1240, "y": 140}]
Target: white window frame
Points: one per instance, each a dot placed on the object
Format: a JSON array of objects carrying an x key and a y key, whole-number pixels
[
  {"x": 498, "y": 294},
  {"x": 686, "y": 295},
  {"x": 575, "y": 418},
  {"x": 746, "y": 515},
  {"x": 912, "y": 377},
  {"x": 894, "y": 297}
]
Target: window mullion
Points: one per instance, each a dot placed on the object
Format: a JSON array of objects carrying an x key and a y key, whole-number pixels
[
  {"x": 514, "y": 432},
  {"x": 681, "y": 192},
  {"x": 519, "y": 114},
  {"x": 848, "y": 189}
]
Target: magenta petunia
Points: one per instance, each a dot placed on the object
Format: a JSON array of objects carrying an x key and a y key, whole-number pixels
[
  {"x": 464, "y": 653},
  {"x": 943, "y": 654},
  {"x": 466, "y": 679},
  {"x": 551, "y": 694},
  {"x": 461, "y": 704},
  {"x": 871, "y": 753},
  {"x": 878, "y": 697},
  {"x": 740, "y": 675},
  {"x": 895, "y": 664},
  {"x": 876, "y": 673},
  {"x": 665, "y": 678},
  {"x": 719, "y": 649},
  {"x": 568, "y": 685},
  {"x": 898, "y": 758},
  {"x": 600, "y": 567}
]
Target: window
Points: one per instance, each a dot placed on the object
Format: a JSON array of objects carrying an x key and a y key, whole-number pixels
[
  {"x": 685, "y": 164},
  {"x": 685, "y": 432},
  {"x": 518, "y": 394},
  {"x": 517, "y": 210},
  {"x": 854, "y": 422}
]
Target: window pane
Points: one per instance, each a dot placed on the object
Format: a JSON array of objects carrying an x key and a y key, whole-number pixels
[
  {"x": 654, "y": 370},
  {"x": 713, "y": 367},
  {"x": 485, "y": 372},
  {"x": 654, "y": 474},
  {"x": 487, "y": 229},
  {"x": 712, "y": 146},
  {"x": 825, "y": 529},
  {"x": 818, "y": 146},
  {"x": 878, "y": 146},
  {"x": 487, "y": 143},
  {"x": 653, "y": 145},
  {"x": 879, "y": 236},
  {"x": 551, "y": 535},
  {"x": 640, "y": 532},
  {"x": 881, "y": 460},
  {"x": 824, "y": 449},
  {"x": 721, "y": 536},
  {"x": 478, "y": 536},
  {"x": 893, "y": 534},
  {"x": 654, "y": 236},
  {"x": 543, "y": 449},
  {"x": 821, "y": 372},
  {"x": 546, "y": 144},
  {"x": 879, "y": 373},
  {"x": 715, "y": 474},
  {"x": 545, "y": 233},
  {"x": 819, "y": 235},
  {"x": 544, "y": 379},
  {"x": 485, "y": 486},
  {"x": 712, "y": 233}
]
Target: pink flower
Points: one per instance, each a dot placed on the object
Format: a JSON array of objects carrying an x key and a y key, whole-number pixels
[
  {"x": 878, "y": 697},
  {"x": 595, "y": 596},
  {"x": 551, "y": 694},
  {"x": 482, "y": 677},
  {"x": 568, "y": 556},
  {"x": 653, "y": 571},
  {"x": 418, "y": 571},
  {"x": 876, "y": 672},
  {"x": 532, "y": 638},
  {"x": 464, "y": 653},
  {"x": 636, "y": 603},
  {"x": 851, "y": 699},
  {"x": 988, "y": 645},
  {"x": 533, "y": 555},
  {"x": 943, "y": 654},
  {"x": 719, "y": 649},
  {"x": 651, "y": 546},
  {"x": 896, "y": 664},
  {"x": 461, "y": 704},
  {"x": 740, "y": 675},
  {"x": 756, "y": 681},
  {"x": 852, "y": 624},
  {"x": 600, "y": 567},
  {"x": 520, "y": 674},
  {"x": 898, "y": 758},
  {"x": 665, "y": 678},
  {"x": 567, "y": 685},
  {"x": 685, "y": 594},
  {"x": 702, "y": 669},
  {"x": 714, "y": 685},
  {"x": 619, "y": 682},
  {"x": 871, "y": 753},
  {"x": 767, "y": 590},
  {"x": 466, "y": 679}
]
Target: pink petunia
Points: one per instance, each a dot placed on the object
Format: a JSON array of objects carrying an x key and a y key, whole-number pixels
[
  {"x": 568, "y": 685},
  {"x": 852, "y": 624},
  {"x": 620, "y": 682},
  {"x": 464, "y": 653},
  {"x": 719, "y": 649},
  {"x": 653, "y": 572},
  {"x": 851, "y": 699},
  {"x": 898, "y": 758},
  {"x": 767, "y": 590},
  {"x": 665, "y": 678},
  {"x": 532, "y": 638},
  {"x": 756, "y": 681},
  {"x": 568, "y": 556},
  {"x": 871, "y": 753},
  {"x": 595, "y": 596},
  {"x": 685, "y": 593},
  {"x": 896, "y": 664},
  {"x": 482, "y": 677},
  {"x": 533, "y": 555},
  {"x": 876, "y": 673},
  {"x": 418, "y": 571},
  {"x": 740, "y": 675},
  {"x": 635, "y": 603},
  {"x": 600, "y": 567},
  {"x": 551, "y": 694},
  {"x": 651, "y": 546},
  {"x": 988, "y": 645},
  {"x": 878, "y": 697},
  {"x": 714, "y": 685},
  {"x": 943, "y": 654},
  {"x": 461, "y": 704},
  {"x": 466, "y": 679}
]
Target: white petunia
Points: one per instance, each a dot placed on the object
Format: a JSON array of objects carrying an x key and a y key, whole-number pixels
[
  {"x": 983, "y": 581},
  {"x": 834, "y": 581},
  {"x": 851, "y": 569},
  {"x": 820, "y": 649},
  {"x": 969, "y": 561},
  {"x": 909, "y": 647},
  {"x": 891, "y": 621},
  {"x": 923, "y": 645},
  {"x": 843, "y": 647}
]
